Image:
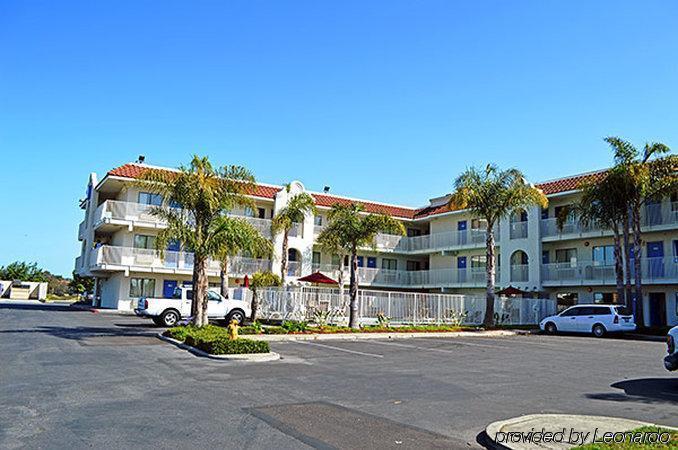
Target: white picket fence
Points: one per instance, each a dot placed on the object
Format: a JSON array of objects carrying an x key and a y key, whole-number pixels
[{"x": 310, "y": 303}]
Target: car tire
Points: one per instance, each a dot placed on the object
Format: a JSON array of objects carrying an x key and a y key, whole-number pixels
[
  {"x": 169, "y": 318},
  {"x": 598, "y": 330},
  {"x": 236, "y": 314},
  {"x": 550, "y": 328},
  {"x": 157, "y": 321}
]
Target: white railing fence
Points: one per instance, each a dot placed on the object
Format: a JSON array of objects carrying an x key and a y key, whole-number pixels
[{"x": 301, "y": 303}]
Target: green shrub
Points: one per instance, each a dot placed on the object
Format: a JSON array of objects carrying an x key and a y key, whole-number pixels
[
  {"x": 295, "y": 327},
  {"x": 214, "y": 340}
]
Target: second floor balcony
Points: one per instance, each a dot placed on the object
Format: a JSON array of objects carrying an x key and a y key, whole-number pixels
[
  {"x": 653, "y": 270},
  {"x": 109, "y": 257}
]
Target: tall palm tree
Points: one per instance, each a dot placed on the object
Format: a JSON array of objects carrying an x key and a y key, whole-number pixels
[
  {"x": 603, "y": 203},
  {"x": 649, "y": 174},
  {"x": 261, "y": 280},
  {"x": 492, "y": 194},
  {"x": 205, "y": 194},
  {"x": 293, "y": 213},
  {"x": 236, "y": 236},
  {"x": 349, "y": 228}
]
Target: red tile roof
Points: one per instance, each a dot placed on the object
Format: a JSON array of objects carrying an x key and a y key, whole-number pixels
[
  {"x": 549, "y": 187},
  {"x": 570, "y": 183},
  {"x": 135, "y": 171},
  {"x": 375, "y": 208}
]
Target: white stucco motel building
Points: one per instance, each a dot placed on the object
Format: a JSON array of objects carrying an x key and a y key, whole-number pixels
[{"x": 442, "y": 252}]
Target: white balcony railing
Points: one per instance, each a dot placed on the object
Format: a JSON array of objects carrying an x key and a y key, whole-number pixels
[
  {"x": 518, "y": 230},
  {"x": 519, "y": 272},
  {"x": 108, "y": 255},
  {"x": 141, "y": 213},
  {"x": 588, "y": 272}
]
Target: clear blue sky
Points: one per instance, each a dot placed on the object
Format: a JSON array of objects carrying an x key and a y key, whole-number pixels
[{"x": 385, "y": 100}]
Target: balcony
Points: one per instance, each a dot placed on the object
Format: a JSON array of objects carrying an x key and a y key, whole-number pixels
[
  {"x": 520, "y": 273},
  {"x": 470, "y": 277},
  {"x": 653, "y": 216},
  {"x": 138, "y": 214},
  {"x": 115, "y": 258},
  {"x": 653, "y": 270},
  {"x": 518, "y": 230}
]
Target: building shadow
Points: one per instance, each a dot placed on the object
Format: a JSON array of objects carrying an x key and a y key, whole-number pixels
[
  {"x": 38, "y": 307},
  {"x": 642, "y": 390}
]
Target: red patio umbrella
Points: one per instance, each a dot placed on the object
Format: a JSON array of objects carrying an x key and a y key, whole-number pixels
[
  {"x": 511, "y": 291},
  {"x": 318, "y": 278}
]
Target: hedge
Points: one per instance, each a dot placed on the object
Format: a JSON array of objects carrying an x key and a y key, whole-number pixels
[{"x": 214, "y": 340}]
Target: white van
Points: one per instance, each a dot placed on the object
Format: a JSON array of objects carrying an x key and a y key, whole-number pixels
[{"x": 594, "y": 318}]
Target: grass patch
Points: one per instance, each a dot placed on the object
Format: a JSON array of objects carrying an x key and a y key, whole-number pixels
[
  {"x": 633, "y": 441},
  {"x": 214, "y": 340}
]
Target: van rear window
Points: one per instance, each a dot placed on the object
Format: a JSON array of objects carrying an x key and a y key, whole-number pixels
[{"x": 622, "y": 310}]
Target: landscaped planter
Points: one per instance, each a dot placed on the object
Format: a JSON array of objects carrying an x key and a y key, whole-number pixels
[{"x": 213, "y": 342}]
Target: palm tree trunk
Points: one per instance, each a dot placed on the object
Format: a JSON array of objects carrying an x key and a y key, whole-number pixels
[
  {"x": 627, "y": 264},
  {"x": 618, "y": 266},
  {"x": 340, "y": 281},
  {"x": 200, "y": 291},
  {"x": 283, "y": 261},
  {"x": 489, "y": 271},
  {"x": 637, "y": 253},
  {"x": 224, "y": 277},
  {"x": 255, "y": 305},
  {"x": 353, "y": 290}
]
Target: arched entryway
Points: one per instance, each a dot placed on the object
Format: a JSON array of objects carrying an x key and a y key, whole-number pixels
[
  {"x": 293, "y": 262},
  {"x": 519, "y": 266}
]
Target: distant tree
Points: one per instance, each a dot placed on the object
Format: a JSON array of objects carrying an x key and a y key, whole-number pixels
[
  {"x": 350, "y": 228},
  {"x": 295, "y": 211},
  {"x": 260, "y": 280},
  {"x": 492, "y": 194},
  {"x": 20, "y": 270},
  {"x": 81, "y": 285}
]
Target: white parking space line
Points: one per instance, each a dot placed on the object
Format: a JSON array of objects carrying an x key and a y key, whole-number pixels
[
  {"x": 340, "y": 349},
  {"x": 432, "y": 349}
]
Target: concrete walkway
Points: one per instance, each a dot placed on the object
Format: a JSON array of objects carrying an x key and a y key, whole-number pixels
[{"x": 556, "y": 431}]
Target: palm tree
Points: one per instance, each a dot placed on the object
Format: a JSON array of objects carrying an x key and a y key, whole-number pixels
[
  {"x": 493, "y": 194},
  {"x": 295, "y": 211},
  {"x": 603, "y": 203},
  {"x": 648, "y": 175},
  {"x": 260, "y": 280},
  {"x": 205, "y": 194},
  {"x": 349, "y": 228},
  {"x": 236, "y": 236}
]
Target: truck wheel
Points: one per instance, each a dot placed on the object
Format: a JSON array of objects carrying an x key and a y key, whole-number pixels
[
  {"x": 237, "y": 315},
  {"x": 169, "y": 318}
]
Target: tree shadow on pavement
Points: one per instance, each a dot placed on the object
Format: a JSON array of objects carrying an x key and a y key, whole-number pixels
[
  {"x": 83, "y": 333},
  {"x": 643, "y": 390},
  {"x": 40, "y": 307}
]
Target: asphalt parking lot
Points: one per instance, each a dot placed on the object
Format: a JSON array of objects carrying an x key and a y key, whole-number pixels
[{"x": 81, "y": 380}]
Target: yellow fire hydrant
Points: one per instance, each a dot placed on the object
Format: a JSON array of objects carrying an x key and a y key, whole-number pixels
[{"x": 233, "y": 330}]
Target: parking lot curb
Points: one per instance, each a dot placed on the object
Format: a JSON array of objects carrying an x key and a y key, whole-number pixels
[
  {"x": 368, "y": 336},
  {"x": 249, "y": 357},
  {"x": 554, "y": 423}
]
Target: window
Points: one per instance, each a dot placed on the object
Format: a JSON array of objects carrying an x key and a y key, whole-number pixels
[
  {"x": 389, "y": 264},
  {"x": 147, "y": 198},
  {"x": 572, "y": 312},
  {"x": 261, "y": 212},
  {"x": 566, "y": 212},
  {"x": 600, "y": 311},
  {"x": 567, "y": 255},
  {"x": 335, "y": 260},
  {"x": 248, "y": 212},
  {"x": 316, "y": 259},
  {"x": 413, "y": 265},
  {"x": 603, "y": 255},
  {"x": 412, "y": 232},
  {"x": 545, "y": 213},
  {"x": 142, "y": 287},
  {"x": 213, "y": 296},
  {"x": 478, "y": 261},
  {"x": 478, "y": 224},
  {"x": 605, "y": 297},
  {"x": 144, "y": 241},
  {"x": 318, "y": 221}
]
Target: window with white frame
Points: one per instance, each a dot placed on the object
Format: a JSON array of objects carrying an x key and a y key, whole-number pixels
[
  {"x": 144, "y": 241},
  {"x": 603, "y": 255},
  {"x": 389, "y": 264},
  {"x": 566, "y": 256},
  {"x": 149, "y": 198}
]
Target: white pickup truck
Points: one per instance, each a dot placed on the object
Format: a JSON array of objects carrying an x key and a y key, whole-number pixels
[{"x": 168, "y": 311}]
